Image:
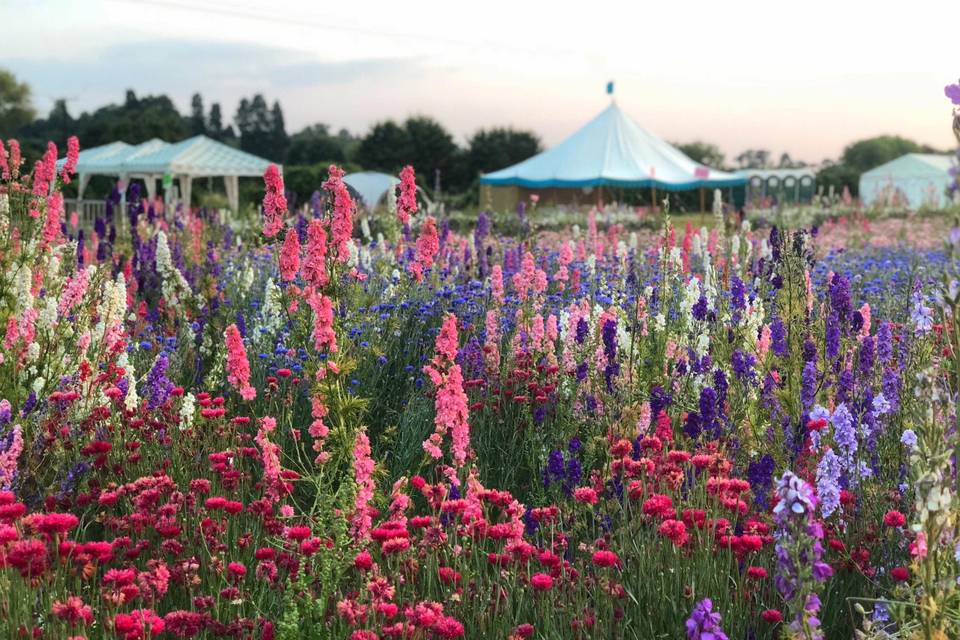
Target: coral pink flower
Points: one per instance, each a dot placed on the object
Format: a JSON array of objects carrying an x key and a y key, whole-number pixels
[
  {"x": 341, "y": 226},
  {"x": 15, "y": 158},
  {"x": 139, "y": 624},
  {"x": 315, "y": 262},
  {"x": 51, "y": 226},
  {"x": 274, "y": 201},
  {"x": 407, "y": 200},
  {"x": 4, "y": 163},
  {"x": 74, "y": 611},
  {"x": 270, "y": 456},
  {"x": 324, "y": 337},
  {"x": 496, "y": 283},
  {"x": 290, "y": 255},
  {"x": 363, "y": 475},
  {"x": 428, "y": 245},
  {"x": 73, "y": 154},
  {"x": 238, "y": 368},
  {"x": 447, "y": 340}
]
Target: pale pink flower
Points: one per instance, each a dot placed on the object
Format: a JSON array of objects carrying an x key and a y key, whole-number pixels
[
  {"x": 290, "y": 255},
  {"x": 73, "y": 292},
  {"x": 496, "y": 283},
  {"x": 238, "y": 368},
  {"x": 8, "y": 458},
  {"x": 865, "y": 313},
  {"x": 407, "y": 200}
]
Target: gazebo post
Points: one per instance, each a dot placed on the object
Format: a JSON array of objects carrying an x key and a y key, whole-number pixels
[
  {"x": 653, "y": 198},
  {"x": 232, "y": 186}
]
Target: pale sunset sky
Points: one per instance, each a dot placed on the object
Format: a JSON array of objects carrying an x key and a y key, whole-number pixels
[{"x": 802, "y": 77}]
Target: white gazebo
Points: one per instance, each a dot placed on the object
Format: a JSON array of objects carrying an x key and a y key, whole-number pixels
[{"x": 196, "y": 157}]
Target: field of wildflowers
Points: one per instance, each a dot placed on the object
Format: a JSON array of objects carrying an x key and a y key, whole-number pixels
[{"x": 304, "y": 431}]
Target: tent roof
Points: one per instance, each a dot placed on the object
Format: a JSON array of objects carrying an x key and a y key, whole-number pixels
[
  {"x": 912, "y": 164},
  {"x": 371, "y": 185},
  {"x": 197, "y": 156},
  {"x": 612, "y": 150}
]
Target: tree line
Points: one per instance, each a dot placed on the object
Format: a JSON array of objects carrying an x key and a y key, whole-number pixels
[{"x": 258, "y": 127}]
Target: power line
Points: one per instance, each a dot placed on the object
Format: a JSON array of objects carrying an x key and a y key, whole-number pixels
[{"x": 311, "y": 21}]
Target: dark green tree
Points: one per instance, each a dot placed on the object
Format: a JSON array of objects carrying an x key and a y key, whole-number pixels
[
  {"x": 387, "y": 147},
  {"x": 703, "y": 152},
  {"x": 314, "y": 144},
  {"x": 432, "y": 149},
  {"x": 261, "y": 128},
  {"x": 16, "y": 109},
  {"x": 864, "y": 155},
  {"x": 492, "y": 149},
  {"x": 198, "y": 125},
  {"x": 280, "y": 141}
]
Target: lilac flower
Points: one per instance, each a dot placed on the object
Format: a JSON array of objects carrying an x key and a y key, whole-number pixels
[
  {"x": 799, "y": 553},
  {"x": 158, "y": 386},
  {"x": 920, "y": 315},
  {"x": 952, "y": 91},
  {"x": 704, "y": 623},
  {"x": 828, "y": 483},
  {"x": 908, "y": 439},
  {"x": 844, "y": 435}
]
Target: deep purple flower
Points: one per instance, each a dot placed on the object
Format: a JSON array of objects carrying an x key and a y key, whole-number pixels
[
  {"x": 778, "y": 338},
  {"x": 742, "y": 364},
  {"x": 808, "y": 391}
]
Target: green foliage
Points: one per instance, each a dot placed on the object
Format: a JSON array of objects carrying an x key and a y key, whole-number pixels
[
  {"x": 16, "y": 109},
  {"x": 703, "y": 152},
  {"x": 499, "y": 147},
  {"x": 262, "y": 129},
  {"x": 314, "y": 144}
]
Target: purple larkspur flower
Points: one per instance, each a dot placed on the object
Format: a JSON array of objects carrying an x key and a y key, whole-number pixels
[
  {"x": 704, "y": 622},
  {"x": 828, "y": 483}
]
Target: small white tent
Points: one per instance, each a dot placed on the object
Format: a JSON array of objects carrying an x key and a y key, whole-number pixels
[
  {"x": 371, "y": 185},
  {"x": 912, "y": 181}
]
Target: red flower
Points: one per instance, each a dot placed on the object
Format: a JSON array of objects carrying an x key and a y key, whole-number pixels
[
  {"x": 894, "y": 519},
  {"x": 237, "y": 570},
  {"x": 900, "y": 574},
  {"x": 757, "y": 573},
  {"x": 448, "y": 627},
  {"x": 541, "y": 582},
  {"x": 298, "y": 533},
  {"x": 363, "y": 561},
  {"x": 525, "y": 630},
  {"x": 675, "y": 530},
  {"x": 29, "y": 557},
  {"x": 659, "y": 506},
  {"x": 449, "y": 575},
  {"x": 772, "y": 616},
  {"x": 605, "y": 558}
]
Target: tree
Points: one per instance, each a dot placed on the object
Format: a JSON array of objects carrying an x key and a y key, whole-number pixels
[
  {"x": 838, "y": 176},
  {"x": 432, "y": 150},
  {"x": 492, "y": 149},
  {"x": 280, "y": 141},
  {"x": 864, "y": 155},
  {"x": 703, "y": 152},
  {"x": 215, "y": 128},
  {"x": 16, "y": 109},
  {"x": 387, "y": 147},
  {"x": 198, "y": 125},
  {"x": 261, "y": 128},
  {"x": 754, "y": 159},
  {"x": 314, "y": 144}
]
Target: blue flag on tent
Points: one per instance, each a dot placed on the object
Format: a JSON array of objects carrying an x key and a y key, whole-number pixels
[{"x": 610, "y": 88}]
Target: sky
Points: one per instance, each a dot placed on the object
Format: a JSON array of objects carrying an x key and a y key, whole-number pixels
[{"x": 806, "y": 78}]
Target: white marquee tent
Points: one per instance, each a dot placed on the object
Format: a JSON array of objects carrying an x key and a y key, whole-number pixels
[
  {"x": 371, "y": 185},
  {"x": 914, "y": 180},
  {"x": 196, "y": 157}
]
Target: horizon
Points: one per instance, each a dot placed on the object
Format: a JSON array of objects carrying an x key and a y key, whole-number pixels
[{"x": 351, "y": 67}]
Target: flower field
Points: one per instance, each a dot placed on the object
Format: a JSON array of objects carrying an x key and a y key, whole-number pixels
[{"x": 309, "y": 430}]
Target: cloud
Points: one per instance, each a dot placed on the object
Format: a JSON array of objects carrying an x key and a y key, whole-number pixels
[{"x": 218, "y": 70}]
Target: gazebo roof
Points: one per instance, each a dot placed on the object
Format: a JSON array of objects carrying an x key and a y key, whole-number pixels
[{"x": 198, "y": 156}]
